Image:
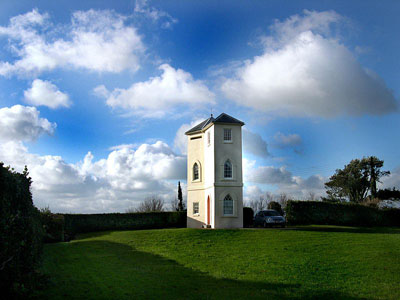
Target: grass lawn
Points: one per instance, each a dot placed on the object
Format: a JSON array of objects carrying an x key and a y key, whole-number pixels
[{"x": 307, "y": 262}]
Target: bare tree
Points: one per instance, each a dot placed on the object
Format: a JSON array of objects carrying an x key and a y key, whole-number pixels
[
  {"x": 175, "y": 204},
  {"x": 269, "y": 197},
  {"x": 312, "y": 196},
  {"x": 151, "y": 204},
  {"x": 283, "y": 199},
  {"x": 130, "y": 210},
  {"x": 257, "y": 205}
]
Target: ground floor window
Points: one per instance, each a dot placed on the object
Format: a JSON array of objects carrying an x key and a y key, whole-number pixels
[
  {"x": 195, "y": 208},
  {"x": 228, "y": 206}
]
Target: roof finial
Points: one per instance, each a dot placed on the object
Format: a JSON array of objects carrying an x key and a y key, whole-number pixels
[{"x": 211, "y": 113}]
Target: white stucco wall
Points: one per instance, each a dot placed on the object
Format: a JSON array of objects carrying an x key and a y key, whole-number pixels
[
  {"x": 234, "y": 186},
  {"x": 195, "y": 192}
]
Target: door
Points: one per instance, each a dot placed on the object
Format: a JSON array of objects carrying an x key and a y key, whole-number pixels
[{"x": 208, "y": 210}]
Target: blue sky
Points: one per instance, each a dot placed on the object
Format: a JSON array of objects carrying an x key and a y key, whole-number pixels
[{"x": 95, "y": 96}]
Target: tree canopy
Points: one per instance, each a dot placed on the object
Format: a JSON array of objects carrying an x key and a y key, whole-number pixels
[{"x": 356, "y": 180}]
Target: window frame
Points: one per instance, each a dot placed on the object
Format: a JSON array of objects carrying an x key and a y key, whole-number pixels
[
  {"x": 232, "y": 206},
  {"x": 230, "y": 135},
  {"x": 194, "y": 209},
  {"x": 231, "y": 169},
  {"x": 196, "y": 164}
]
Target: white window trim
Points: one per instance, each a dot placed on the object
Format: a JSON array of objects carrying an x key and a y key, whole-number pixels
[
  {"x": 228, "y": 178},
  {"x": 198, "y": 207},
  {"x": 199, "y": 166},
  {"x": 223, "y": 137},
  {"x": 221, "y": 198},
  {"x": 233, "y": 207}
]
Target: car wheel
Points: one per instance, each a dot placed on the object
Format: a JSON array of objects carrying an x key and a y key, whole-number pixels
[{"x": 265, "y": 225}]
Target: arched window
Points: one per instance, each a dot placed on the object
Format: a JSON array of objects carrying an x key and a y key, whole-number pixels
[
  {"x": 228, "y": 205},
  {"x": 228, "y": 169},
  {"x": 195, "y": 171}
]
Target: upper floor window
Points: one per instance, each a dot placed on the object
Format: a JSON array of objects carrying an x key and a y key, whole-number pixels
[
  {"x": 228, "y": 205},
  {"x": 227, "y": 135},
  {"x": 228, "y": 169},
  {"x": 209, "y": 138},
  {"x": 195, "y": 171}
]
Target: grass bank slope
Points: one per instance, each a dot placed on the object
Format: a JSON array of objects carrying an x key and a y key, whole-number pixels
[{"x": 307, "y": 262}]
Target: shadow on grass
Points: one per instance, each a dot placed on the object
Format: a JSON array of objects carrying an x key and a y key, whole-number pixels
[
  {"x": 328, "y": 228},
  {"x": 108, "y": 270}
]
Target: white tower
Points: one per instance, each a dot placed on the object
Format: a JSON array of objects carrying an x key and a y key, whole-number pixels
[{"x": 215, "y": 181}]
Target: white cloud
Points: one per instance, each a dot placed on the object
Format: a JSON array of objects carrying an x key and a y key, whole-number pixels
[
  {"x": 142, "y": 7},
  {"x": 180, "y": 141},
  {"x": 392, "y": 180},
  {"x": 159, "y": 95},
  {"x": 289, "y": 140},
  {"x": 282, "y": 180},
  {"x": 22, "y": 123},
  {"x": 47, "y": 94},
  {"x": 305, "y": 71},
  {"x": 254, "y": 144},
  {"x": 115, "y": 183},
  {"x": 266, "y": 174},
  {"x": 95, "y": 40}
]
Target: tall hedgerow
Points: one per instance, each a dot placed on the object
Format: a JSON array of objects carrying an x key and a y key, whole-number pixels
[{"x": 21, "y": 232}]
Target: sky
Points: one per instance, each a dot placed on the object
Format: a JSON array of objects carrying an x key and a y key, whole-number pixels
[{"x": 95, "y": 96}]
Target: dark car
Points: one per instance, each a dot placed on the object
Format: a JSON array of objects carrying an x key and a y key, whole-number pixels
[{"x": 269, "y": 218}]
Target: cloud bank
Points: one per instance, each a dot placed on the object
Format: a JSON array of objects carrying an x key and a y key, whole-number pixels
[
  {"x": 306, "y": 71},
  {"x": 113, "y": 184},
  {"x": 96, "y": 40}
]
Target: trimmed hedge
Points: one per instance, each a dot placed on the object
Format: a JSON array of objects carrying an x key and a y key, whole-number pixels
[
  {"x": 79, "y": 223},
  {"x": 248, "y": 217},
  {"x": 347, "y": 214}
]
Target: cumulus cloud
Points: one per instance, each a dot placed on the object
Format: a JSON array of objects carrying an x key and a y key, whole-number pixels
[
  {"x": 22, "y": 123},
  {"x": 282, "y": 180},
  {"x": 47, "y": 94},
  {"x": 94, "y": 40},
  {"x": 254, "y": 144},
  {"x": 289, "y": 140},
  {"x": 180, "y": 141},
  {"x": 115, "y": 183},
  {"x": 306, "y": 71},
  {"x": 392, "y": 180},
  {"x": 266, "y": 174},
  {"x": 142, "y": 7},
  {"x": 159, "y": 95}
]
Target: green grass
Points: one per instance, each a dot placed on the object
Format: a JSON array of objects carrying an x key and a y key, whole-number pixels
[{"x": 308, "y": 262}]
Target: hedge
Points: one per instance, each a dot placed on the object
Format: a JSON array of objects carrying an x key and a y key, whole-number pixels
[
  {"x": 248, "y": 216},
  {"x": 20, "y": 234},
  {"x": 53, "y": 225},
  {"x": 80, "y": 223},
  {"x": 347, "y": 214}
]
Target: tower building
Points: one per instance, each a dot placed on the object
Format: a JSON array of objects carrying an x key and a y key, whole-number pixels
[{"x": 215, "y": 181}]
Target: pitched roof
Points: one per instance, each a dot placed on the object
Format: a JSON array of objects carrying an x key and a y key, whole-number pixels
[{"x": 222, "y": 118}]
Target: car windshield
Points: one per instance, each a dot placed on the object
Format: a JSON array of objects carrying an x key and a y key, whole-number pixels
[{"x": 271, "y": 213}]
